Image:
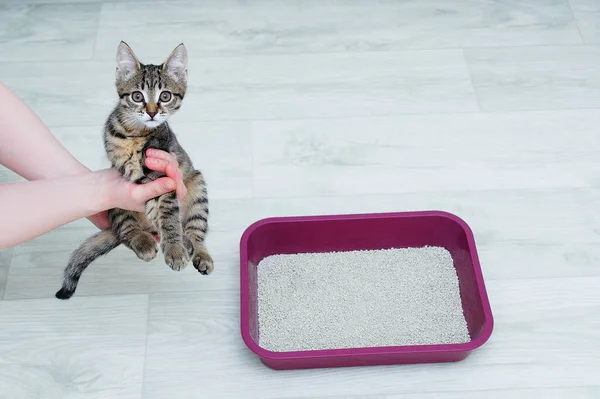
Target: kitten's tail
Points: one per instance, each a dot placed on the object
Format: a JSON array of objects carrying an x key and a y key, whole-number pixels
[{"x": 97, "y": 245}]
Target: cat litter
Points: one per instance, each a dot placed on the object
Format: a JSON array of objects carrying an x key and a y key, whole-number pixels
[{"x": 365, "y": 298}]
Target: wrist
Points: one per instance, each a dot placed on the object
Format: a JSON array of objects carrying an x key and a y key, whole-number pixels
[
  {"x": 113, "y": 190},
  {"x": 107, "y": 181},
  {"x": 90, "y": 190}
]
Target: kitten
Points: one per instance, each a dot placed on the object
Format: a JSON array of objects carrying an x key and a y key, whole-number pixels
[{"x": 149, "y": 94}]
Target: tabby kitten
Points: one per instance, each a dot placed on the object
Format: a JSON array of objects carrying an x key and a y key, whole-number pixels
[{"x": 149, "y": 94}]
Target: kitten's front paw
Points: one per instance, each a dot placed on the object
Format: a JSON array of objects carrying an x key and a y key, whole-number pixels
[
  {"x": 176, "y": 256},
  {"x": 203, "y": 262},
  {"x": 144, "y": 246}
]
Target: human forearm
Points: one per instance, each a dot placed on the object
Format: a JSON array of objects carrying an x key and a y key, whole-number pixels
[
  {"x": 30, "y": 209},
  {"x": 28, "y": 147}
]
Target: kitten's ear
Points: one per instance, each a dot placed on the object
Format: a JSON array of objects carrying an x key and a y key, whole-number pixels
[
  {"x": 127, "y": 62},
  {"x": 176, "y": 64}
]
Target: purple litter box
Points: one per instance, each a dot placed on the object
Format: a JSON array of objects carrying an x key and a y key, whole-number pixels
[{"x": 289, "y": 235}]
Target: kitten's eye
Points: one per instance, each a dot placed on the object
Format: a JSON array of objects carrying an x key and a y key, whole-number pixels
[
  {"x": 137, "y": 96},
  {"x": 165, "y": 96}
]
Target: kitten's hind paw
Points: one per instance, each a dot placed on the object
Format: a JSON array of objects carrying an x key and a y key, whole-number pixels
[
  {"x": 144, "y": 246},
  {"x": 203, "y": 262},
  {"x": 64, "y": 293}
]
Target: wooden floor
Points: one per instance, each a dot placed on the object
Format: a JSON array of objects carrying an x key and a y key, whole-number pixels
[{"x": 489, "y": 109}]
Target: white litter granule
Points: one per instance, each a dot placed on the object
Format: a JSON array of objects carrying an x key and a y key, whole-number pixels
[{"x": 393, "y": 297}]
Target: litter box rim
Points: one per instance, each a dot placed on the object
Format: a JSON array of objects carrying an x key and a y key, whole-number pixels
[{"x": 363, "y": 351}]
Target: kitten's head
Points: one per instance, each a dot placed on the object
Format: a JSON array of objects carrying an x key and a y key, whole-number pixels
[{"x": 150, "y": 93}]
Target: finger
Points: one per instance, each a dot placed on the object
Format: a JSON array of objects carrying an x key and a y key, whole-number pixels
[
  {"x": 158, "y": 165},
  {"x": 156, "y": 153},
  {"x": 181, "y": 189},
  {"x": 166, "y": 167},
  {"x": 175, "y": 174},
  {"x": 160, "y": 154},
  {"x": 171, "y": 171},
  {"x": 144, "y": 192},
  {"x": 174, "y": 159}
]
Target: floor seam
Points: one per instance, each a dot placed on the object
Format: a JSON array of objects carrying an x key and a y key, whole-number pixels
[
  {"x": 576, "y": 21},
  {"x": 9, "y": 263}
]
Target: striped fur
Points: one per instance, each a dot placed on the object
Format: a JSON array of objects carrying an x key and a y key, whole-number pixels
[{"x": 148, "y": 95}]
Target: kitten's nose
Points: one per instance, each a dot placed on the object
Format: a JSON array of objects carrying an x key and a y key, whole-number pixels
[{"x": 151, "y": 113}]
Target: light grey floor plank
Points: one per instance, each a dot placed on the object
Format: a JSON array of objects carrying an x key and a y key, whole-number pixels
[
  {"x": 587, "y": 14},
  {"x": 426, "y": 153},
  {"x": 221, "y": 150},
  {"x": 591, "y": 392},
  {"x": 85, "y": 348},
  {"x": 332, "y": 85},
  {"x": 66, "y": 93},
  {"x": 13, "y": 2},
  {"x": 533, "y": 78},
  {"x": 38, "y": 32},
  {"x": 519, "y": 234},
  {"x": 267, "y": 27},
  {"x": 85, "y": 143},
  {"x": 37, "y": 266},
  {"x": 5, "y": 256},
  {"x": 544, "y": 337},
  {"x": 259, "y": 87},
  {"x": 117, "y": 273}
]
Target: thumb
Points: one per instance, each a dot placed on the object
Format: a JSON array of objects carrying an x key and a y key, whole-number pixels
[{"x": 154, "y": 189}]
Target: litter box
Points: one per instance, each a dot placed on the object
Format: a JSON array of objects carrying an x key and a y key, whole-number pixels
[{"x": 305, "y": 234}]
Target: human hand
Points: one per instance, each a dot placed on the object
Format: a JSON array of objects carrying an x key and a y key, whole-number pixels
[
  {"x": 166, "y": 162},
  {"x": 157, "y": 160},
  {"x": 100, "y": 220}
]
